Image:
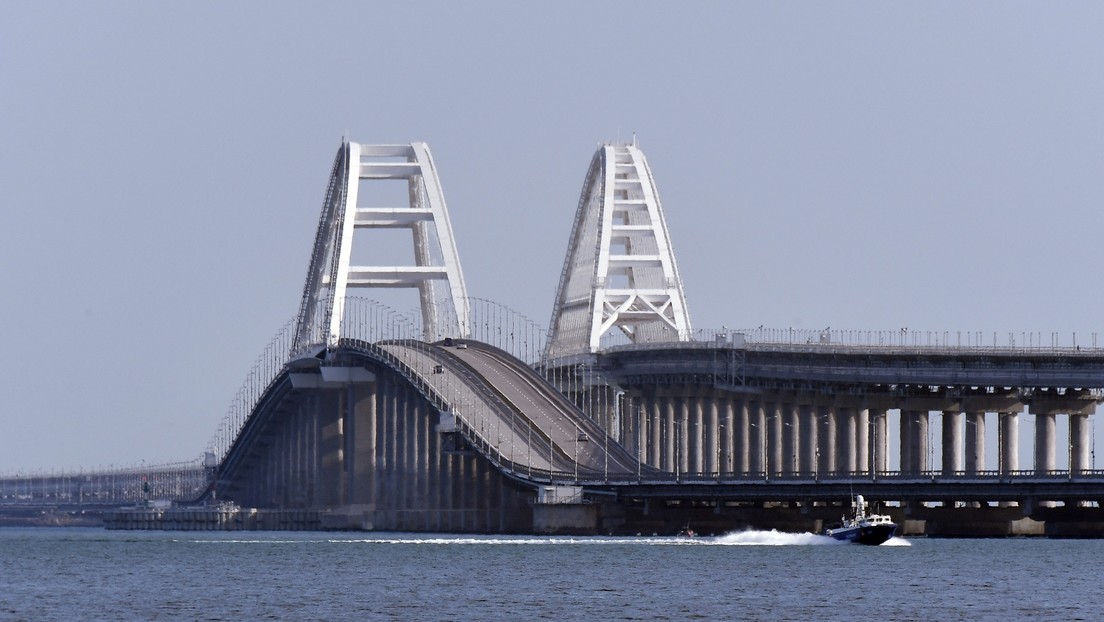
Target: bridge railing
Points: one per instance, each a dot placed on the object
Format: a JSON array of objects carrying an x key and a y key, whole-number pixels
[
  {"x": 958, "y": 340},
  {"x": 266, "y": 368},
  {"x": 760, "y": 477},
  {"x": 477, "y": 416},
  {"x": 904, "y": 339}
]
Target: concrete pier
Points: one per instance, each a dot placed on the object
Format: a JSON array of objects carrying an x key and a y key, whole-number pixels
[
  {"x": 952, "y": 442},
  {"x": 975, "y": 442}
]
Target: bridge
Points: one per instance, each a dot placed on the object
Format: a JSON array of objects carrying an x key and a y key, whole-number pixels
[{"x": 621, "y": 417}]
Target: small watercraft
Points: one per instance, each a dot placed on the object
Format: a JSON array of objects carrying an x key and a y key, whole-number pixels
[{"x": 863, "y": 528}]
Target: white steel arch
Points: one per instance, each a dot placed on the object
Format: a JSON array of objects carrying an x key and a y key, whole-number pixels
[
  {"x": 436, "y": 273},
  {"x": 620, "y": 270}
]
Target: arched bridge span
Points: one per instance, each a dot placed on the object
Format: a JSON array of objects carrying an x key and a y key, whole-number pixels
[{"x": 407, "y": 435}]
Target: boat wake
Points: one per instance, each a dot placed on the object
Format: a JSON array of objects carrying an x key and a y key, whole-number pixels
[
  {"x": 774, "y": 538},
  {"x": 741, "y": 538},
  {"x": 896, "y": 542}
]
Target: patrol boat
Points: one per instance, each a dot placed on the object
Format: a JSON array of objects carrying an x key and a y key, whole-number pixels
[{"x": 863, "y": 528}]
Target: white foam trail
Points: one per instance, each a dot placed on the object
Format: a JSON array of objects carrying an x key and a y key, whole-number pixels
[
  {"x": 742, "y": 538},
  {"x": 896, "y": 542},
  {"x": 773, "y": 538}
]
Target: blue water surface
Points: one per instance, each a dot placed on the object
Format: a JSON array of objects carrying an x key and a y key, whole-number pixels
[{"x": 91, "y": 574}]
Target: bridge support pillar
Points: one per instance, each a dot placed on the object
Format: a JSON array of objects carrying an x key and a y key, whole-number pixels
[
  {"x": 740, "y": 447},
  {"x": 862, "y": 441},
  {"x": 682, "y": 420},
  {"x": 655, "y": 429},
  {"x": 696, "y": 428},
  {"x": 1008, "y": 430},
  {"x": 758, "y": 439},
  {"x": 728, "y": 427},
  {"x": 791, "y": 421},
  {"x": 917, "y": 421},
  {"x": 847, "y": 437},
  {"x": 331, "y": 444},
  {"x": 774, "y": 438},
  {"x": 975, "y": 442},
  {"x": 669, "y": 427},
  {"x": 907, "y": 424},
  {"x": 880, "y": 457},
  {"x": 808, "y": 435},
  {"x": 1008, "y": 443},
  {"x": 952, "y": 442},
  {"x": 1080, "y": 450},
  {"x": 826, "y": 440},
  {"x": 1045, "y": 459},
  {"x": 710, "y": 414}
]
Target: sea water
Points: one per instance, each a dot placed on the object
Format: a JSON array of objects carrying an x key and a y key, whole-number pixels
[{"x": 91, "y": 574}]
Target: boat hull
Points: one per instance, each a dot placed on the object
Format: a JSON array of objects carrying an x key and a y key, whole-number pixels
[{"x": 863, "y": 534}]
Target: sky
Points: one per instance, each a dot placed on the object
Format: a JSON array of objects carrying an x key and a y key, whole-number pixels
[{"x": 864, "y": 166}]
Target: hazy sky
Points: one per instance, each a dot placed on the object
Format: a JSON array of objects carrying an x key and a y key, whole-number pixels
[{"x": 854, "y": 165}]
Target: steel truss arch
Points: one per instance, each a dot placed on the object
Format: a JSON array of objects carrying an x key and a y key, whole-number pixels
[
  {"x": 436, "y": 271},
  {"x": 620, "y": 270}
]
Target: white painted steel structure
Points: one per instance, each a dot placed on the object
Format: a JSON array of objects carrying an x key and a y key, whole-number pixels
[
  {"x": 348, "y": 207},
  {"x": 620, "y": 270}
]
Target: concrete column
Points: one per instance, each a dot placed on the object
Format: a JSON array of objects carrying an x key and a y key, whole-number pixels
[
  {"x": 655, "y": 447},
  {"x": 629, "y": 427},
  {"x": 696, "y": 429},
  {"x": 758, "y": 438},
  {"x": 1008, "y": 431},
  {"x": 808, "y": 438},
  {"x": 740, "y": 448},
  {"x": 728, "y": 427},
  {"x": 862, "y": 442},
  {"x": 314, "y": 461},
  {"x": 774, "y": 438},
  {"x": 348, "y": 442},
  {"x": 908, "y": 430},
  {"x": 1045, "y": 459},
  {"x": 791, "y": 430},
  {"x": 1080, "y": 450},
  {"x": 669, "y": 432},
  {"x": 826, "y": 437},
  {"x": 845, "y": 418},
  {"x": 683, "y": 423},
  {"x": 921, "y": 460},
  {"x": 364, "y": 444},
  {"x": 424, "y": 414},
  {"x": 879, "y": 459},
  {"x": 952, "y": 441},
  {"x": 331, "y": 443},
  {"x": 712, "y": 435},
  {"x": 975, "y": 442}
]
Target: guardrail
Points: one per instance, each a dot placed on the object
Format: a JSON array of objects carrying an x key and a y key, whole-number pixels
[{"x": 902, "y": 340}]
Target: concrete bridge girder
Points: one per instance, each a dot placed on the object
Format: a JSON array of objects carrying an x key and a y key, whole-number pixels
[{"x": 1073, "y": 403}]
